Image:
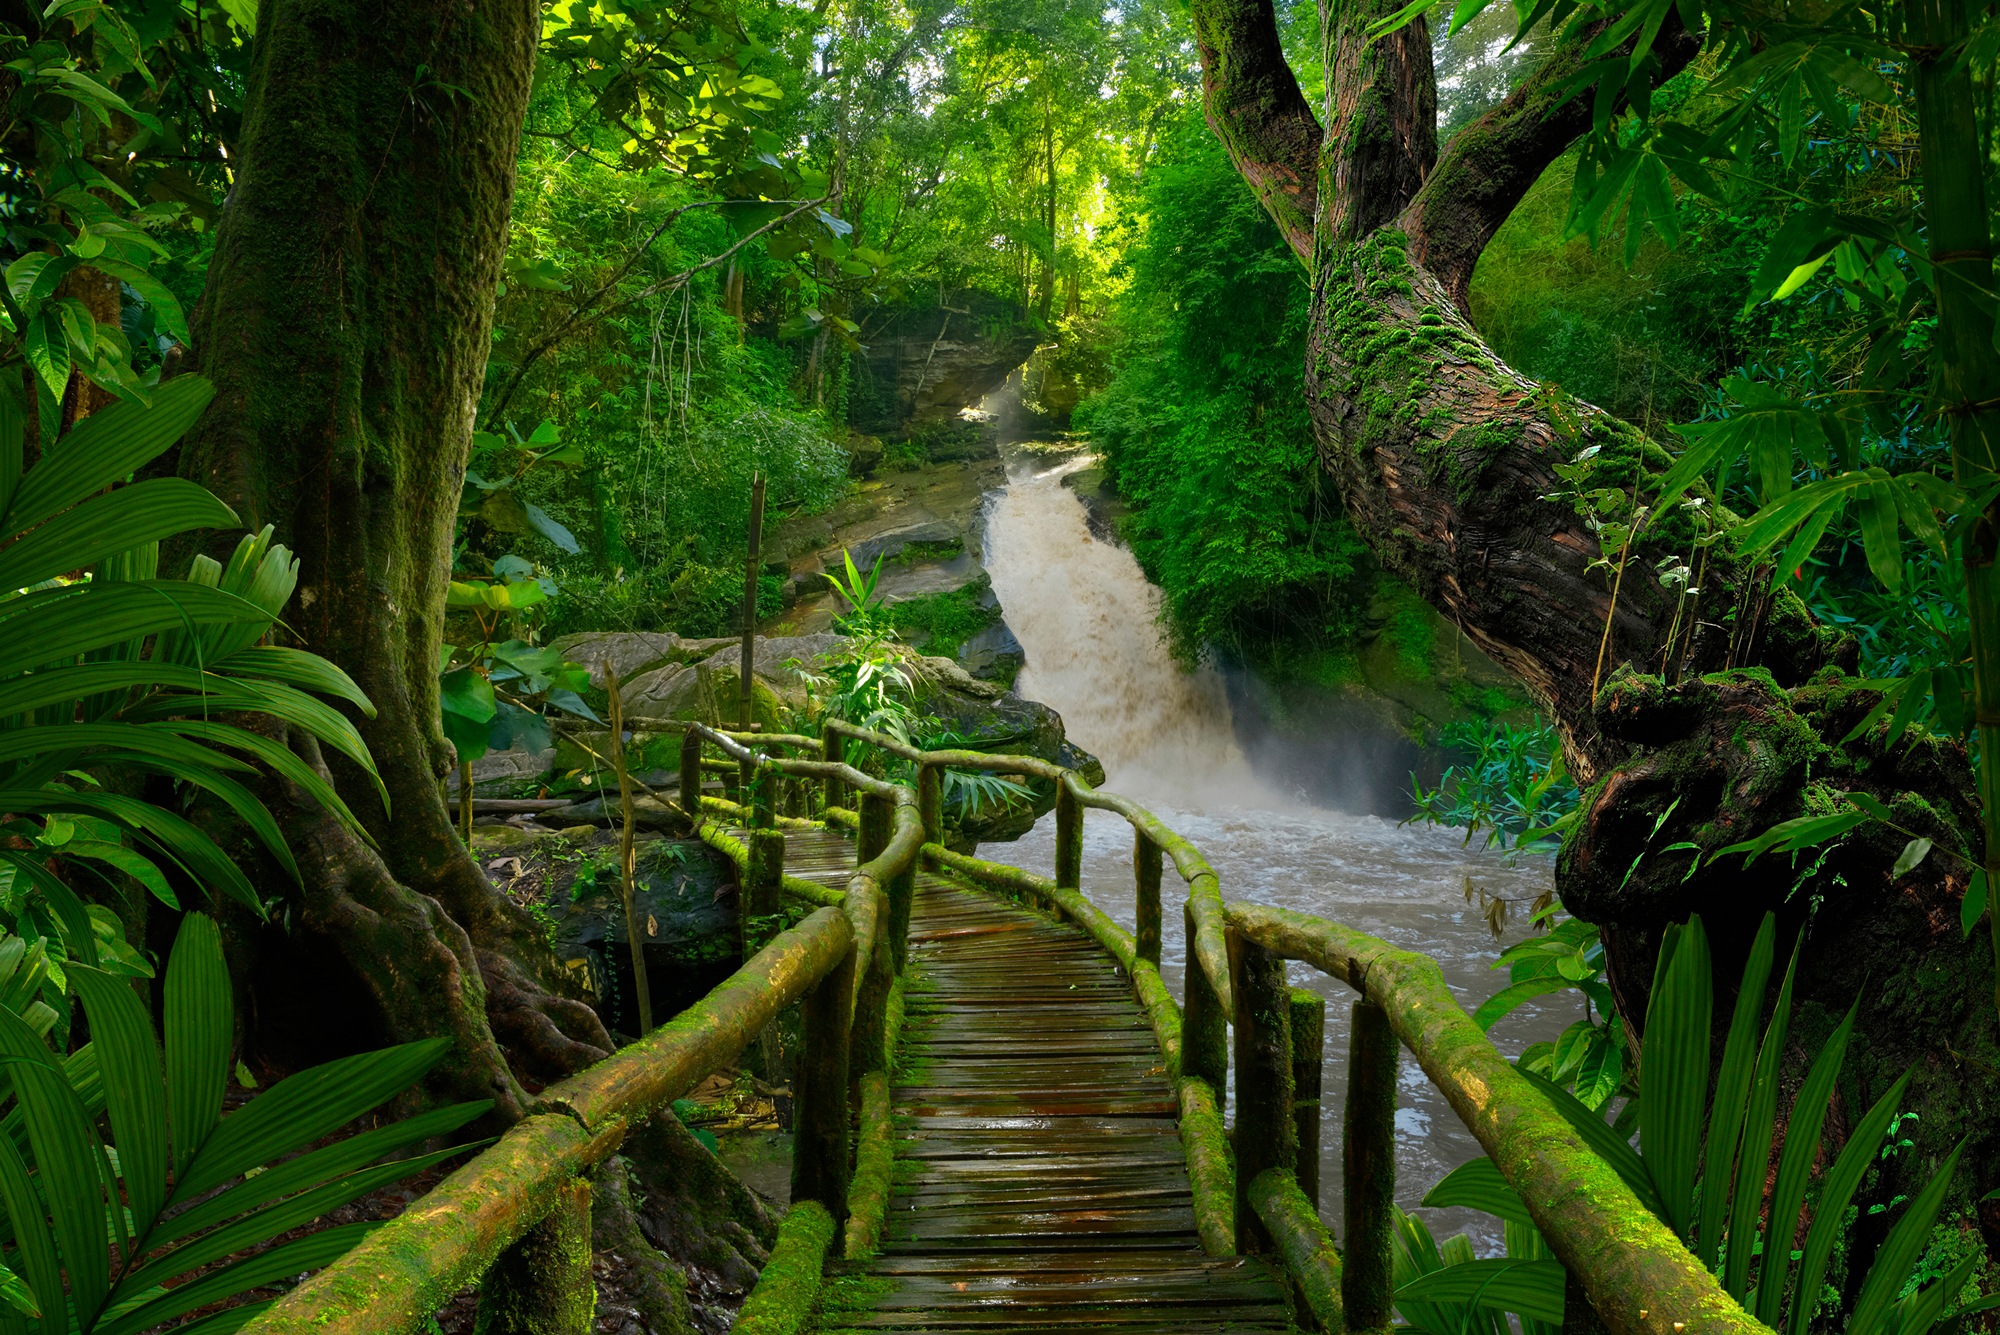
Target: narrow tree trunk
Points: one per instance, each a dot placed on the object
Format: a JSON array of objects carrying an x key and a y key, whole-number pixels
[{"x": 345, "y": 324}]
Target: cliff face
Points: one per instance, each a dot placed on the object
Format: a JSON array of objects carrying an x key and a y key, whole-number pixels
[{"x": 924, "y": 362}]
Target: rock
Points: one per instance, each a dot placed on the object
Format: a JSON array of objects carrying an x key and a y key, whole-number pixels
[
  {"x": 509, "y": 764},
  {"x": 993, "y": 655},
  {"x": 498, "y": 838},
  {"x": 608, "y": 810},
  {"x": 629, "y": 652},
  {"x": 685, "y": 902},
  {"x": 889, "y": 545},
  {"x": 925, "y": 362},
  {"x": 864, "y": 452}
]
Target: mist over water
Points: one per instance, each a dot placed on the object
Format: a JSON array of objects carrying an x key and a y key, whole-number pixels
[{"x": 1088, "y": 623}]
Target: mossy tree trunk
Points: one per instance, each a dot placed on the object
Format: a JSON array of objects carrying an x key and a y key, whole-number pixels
[
  {"x": 346, "y": 323},
  {"x": 1447, "y": 460}
]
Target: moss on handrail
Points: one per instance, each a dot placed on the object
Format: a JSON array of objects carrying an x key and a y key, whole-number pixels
[
  {"x": 788, "y": 1288},
  {"x": 1303, "y": 1241},
  {"x": 735, "y": 851},
  {"x": 1211, "y": 1175},
  {"x": 1639, "y": 1277},
  {"x": 874, "y": 1156}
]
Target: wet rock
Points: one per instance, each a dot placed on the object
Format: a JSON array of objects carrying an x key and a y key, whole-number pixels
[
  {"x": 607, "y": 810},
  {"x": 864, "y": 453},
  {"x": 993, "y": 655},
  {"x": 925, "y": 362},
  {"x": 891, "y": 544},
  {"x": 684, "y": 902}
]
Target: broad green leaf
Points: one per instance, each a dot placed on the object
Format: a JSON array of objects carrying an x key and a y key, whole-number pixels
[
  {"x": 301, "y": 1254},
  {"x": 1880, "y": 534},
  {"x": 1509, "y": 998},
  {"x": 1913, "y": 853},
  {"x": 1753, "y": 1156},
  {"x": 1531, "y": 1289},
  {"x": 1803, "y": 1129},
  {"x": 1973, "y": 906},
  {"x": 200, "y": 1020},
  {"x": 15, "y": 1293},
  {"x": 1732, "y": 1089},
  {"x": 1478, "y": 1185},
  {"x": 105, "y": 448},
  {"x": 128, "y": 1054},
  {"x": 468, "y": 693},
  {"x": 1902, "y": 1249},
  {"x": 107, "y": 525},
  {"x": 47, "y": 349},
  {"x": 69, "y": 1163},
  {"x": 1837, "y": 1187},
  {"x": 1673, "y": 1074},
  {"x": 1609, "y": 1145}
]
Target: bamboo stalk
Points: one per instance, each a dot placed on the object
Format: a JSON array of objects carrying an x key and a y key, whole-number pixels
[{"x": 628, "y": 855}]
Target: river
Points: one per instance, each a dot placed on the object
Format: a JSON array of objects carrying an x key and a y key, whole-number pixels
[{"x": 1088, "y": 622}]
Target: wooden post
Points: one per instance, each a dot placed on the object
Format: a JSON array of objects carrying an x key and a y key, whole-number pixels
[
  {"x": 819, "y": 1131},
  {"x": 832, "y": 750},
  {"x": 878, "y": 821},
  {"x": 691, "y": 776},
  {"x": 1069, "y": 836},
  {"x": 628, "y": 857},
  {"x": 1204, "y": 1028},
  {"x": 878, "y": 825},
  {"x": 763, "y": 797},
  {"x": 746, "y": 678},
  {"x": 541, "y": 1285},
  {"x": 760, "y": 905},
  {"x": 465, "y": 803},
  {"x": 1266, "y": 1134},
  {"x": 1368, "y": 1170},
  {"x": 930, "y": 802},
  {"x": 1308, "y": 1055},
  {"x": 1146, "y": 863}
]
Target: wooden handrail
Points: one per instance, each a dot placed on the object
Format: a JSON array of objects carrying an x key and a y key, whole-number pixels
[{"x": 842, "y": 964}]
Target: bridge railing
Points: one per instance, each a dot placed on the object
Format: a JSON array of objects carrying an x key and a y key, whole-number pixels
[{"x": 516, "y": 1218}]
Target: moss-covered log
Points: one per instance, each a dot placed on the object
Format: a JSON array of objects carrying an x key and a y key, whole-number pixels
[
  {"x": 783, "y": 1301},
  {"x": 396, "y": 1278},
  {"x": 1292, "y": 1222},
  {"x": 1368, "y": 1169},
  {"x": 542, "y": 1284},
  {"x": 1640, "y": 1278},
  {"x": 874, "y": 1160},
  {"x": 1210, "y": 1172}
]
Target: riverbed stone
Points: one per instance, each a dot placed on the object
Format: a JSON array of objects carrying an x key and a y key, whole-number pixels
[
  {"x": 630, "y": 652},
  {"x": 994, "y": 655}
]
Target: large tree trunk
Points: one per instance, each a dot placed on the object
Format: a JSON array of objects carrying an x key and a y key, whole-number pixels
[
  {"x": 345, "y": 324},
  {"x": 1706, "y": 731}
]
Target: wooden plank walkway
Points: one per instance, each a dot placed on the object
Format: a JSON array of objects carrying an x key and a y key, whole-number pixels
[{"x": 1040, "y": 1183}]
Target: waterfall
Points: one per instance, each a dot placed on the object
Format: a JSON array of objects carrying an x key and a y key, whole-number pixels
[{"x": 1088, "y": 622}]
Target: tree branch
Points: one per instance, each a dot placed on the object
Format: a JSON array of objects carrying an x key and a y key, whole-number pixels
[
  {"x": 1491, "y": 164},
  {"x": 1256, "y": 109}
]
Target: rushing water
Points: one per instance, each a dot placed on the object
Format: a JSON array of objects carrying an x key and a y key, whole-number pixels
[{"x": 1087, "y": 619}]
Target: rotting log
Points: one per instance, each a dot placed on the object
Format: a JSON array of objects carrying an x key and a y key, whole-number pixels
[
  {"x": 649, "y": 1074},
  {"x": 403, "y": 1272},
  {"x": 1368, "y": 1168},
  {"x": 1147, "y": 864},
  {"x": 1204, "y": 1027},
  {"x": 1211, "y": 1178},
  {"x": 1308, "y": 1071},
  {"x": 874, "y": 1158},
  {"x": 542, "y": 1284},
  {"x": 787, "y": 1289},
  {"x": 1266, "y": 1134},
  {"x": 819, "y": 1133},
  {"x": 1293, "y": 1224},
  {"x": 1639, "y": 1277}
]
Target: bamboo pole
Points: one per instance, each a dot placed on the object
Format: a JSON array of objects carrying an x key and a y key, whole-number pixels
[
  {"x": 628, "y": 856},
  {"x": 1147, "y": 864},
  {"x": 1266, "y": 1135},
  {"x": 1308, "y": 1066},
  {"x": 542, "y": 1285},
  {"x": 1368, "y": 1169}
]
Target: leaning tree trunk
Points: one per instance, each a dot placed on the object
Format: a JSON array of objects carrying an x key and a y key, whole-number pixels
[
  {"x": 1708, "y": 729},
  {"x": 345, "y": 324}
]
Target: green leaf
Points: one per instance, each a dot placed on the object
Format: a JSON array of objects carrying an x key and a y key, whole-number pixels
[
  {"x": 467, "y": 693},
  {"x": 1511, "y": 997},
  {"x": 106, "y": 525},
  {"x": 1531, "y": 1289},
  {"x": 1837, "y": 1187},
  {"x": 1973, "y": 906},
  {"x": 1803, "y": 1129},
  {"x": 128, "y": 1054},
  {"x": 1753, "y": 1158},
  {"x": 47, "y": 350},
  {"x": 1732, "y": 1088},
  {"x": 1901, "y": 1251},
  {"x": 1673, "y": 1074},
  {"x": 1478, "y": 1185},
  {"x": 200, "y": 1023},
  {"x": 1913, "y": 853},
  {"x": 15, "y": 1293},
  {"x": 308, "y": 1253},
  {"x": 1880, "y": 533},
  {"x": 106, "y": 447}
]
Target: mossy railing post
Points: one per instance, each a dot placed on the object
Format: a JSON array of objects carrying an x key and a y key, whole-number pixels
[
  {"x": 542, "y": 1284},
  {"x": 760, "y": 905},
  {"x": 1368, "y": 1169},
  {"x": 691, "y": 776},
  {"x": 1204, "y": 1028},
  {"x": 820, "y": 1086},
  {"x": 763, "y": 788},
  {"x": 1069, "y": 837},
  {"x": 1266, "y": 1132},
  {"x": 833, "y": 750},
  {"x": 1308, "y": 1057},
  {"x": 1146, "y": 865},
  {"x": 930, "y": 802}
]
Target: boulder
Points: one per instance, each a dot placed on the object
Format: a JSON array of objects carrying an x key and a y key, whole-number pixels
[
  {"x": 993, "y": 655},
  {"x": 924, "y": 362},
  {"x": 630, "y": 652},
  {"x": 890, "y": 544}
]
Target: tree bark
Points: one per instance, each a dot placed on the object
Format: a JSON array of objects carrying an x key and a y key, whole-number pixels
[
  {"x": 1708, "y": 729},
  {"x": 345, "y": 324}
]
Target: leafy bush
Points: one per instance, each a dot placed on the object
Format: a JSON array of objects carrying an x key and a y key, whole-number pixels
[
  {"x": 1514, "y": 785},
  {"x": 98, "y": 1230},
  {"x": 939, "y": 624}
]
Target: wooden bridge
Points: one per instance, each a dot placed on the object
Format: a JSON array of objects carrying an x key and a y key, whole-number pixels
[{"x": 1004, "y": 1121}]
